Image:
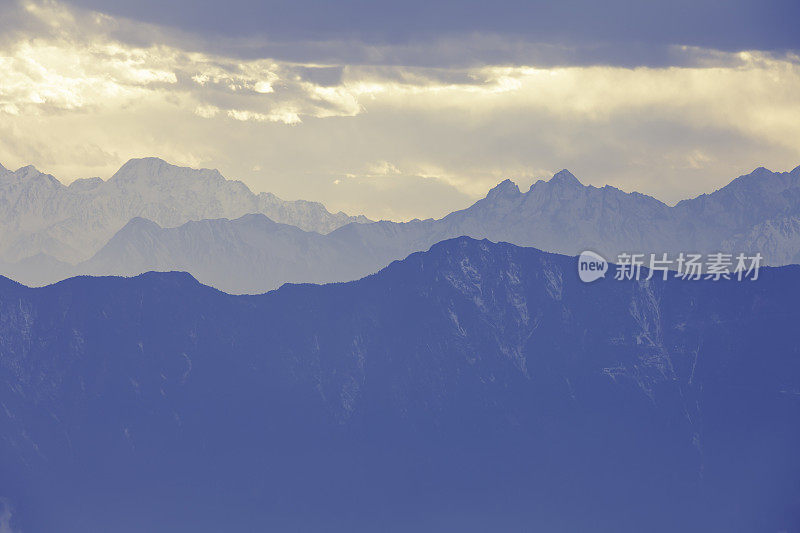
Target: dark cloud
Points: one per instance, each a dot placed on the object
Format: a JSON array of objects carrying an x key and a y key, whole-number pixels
[
  {"x": 381, "y": 131},
  {"x": 576, "y": 32}
]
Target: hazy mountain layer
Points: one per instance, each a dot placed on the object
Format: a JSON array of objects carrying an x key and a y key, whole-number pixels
[
  {"x": 38, "y": 214},
  {"x": 475, "y": 387},
  {"x": 754, "y": 213}
]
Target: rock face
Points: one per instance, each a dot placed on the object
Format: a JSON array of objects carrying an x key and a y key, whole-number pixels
[
  {"x": 778, "y": 239},
  {"x": 473, "y": 387},
  {"x": 38, "y": 214}
]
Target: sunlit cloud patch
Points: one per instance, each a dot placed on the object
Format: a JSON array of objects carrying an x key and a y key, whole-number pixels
[{"x": 78, "y": 99}]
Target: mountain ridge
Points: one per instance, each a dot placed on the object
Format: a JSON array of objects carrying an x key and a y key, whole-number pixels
[
  {"x": 755, "y": 213},
  {"x": 481, "y": 378},
  {"x": 39, "y": 214}
]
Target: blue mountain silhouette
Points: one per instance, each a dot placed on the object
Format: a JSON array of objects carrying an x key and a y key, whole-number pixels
[{"x": 473, "y": 387}]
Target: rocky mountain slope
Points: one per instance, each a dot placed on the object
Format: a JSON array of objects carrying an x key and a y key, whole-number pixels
[
  {"x": 777, "y": 239},
  {"x": 474, "y": 387}
]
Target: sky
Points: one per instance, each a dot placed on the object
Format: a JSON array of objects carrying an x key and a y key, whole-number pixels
[{"x": 402, "y": 110}]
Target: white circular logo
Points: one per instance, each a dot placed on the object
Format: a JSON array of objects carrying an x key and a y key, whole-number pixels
[{"x": 591, "y": 266}]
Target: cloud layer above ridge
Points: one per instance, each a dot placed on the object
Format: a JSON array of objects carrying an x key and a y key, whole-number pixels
[{"x": 394, "y": 128}]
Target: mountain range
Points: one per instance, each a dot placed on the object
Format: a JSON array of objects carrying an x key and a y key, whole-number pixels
[
  {"x": 263, "y": 245},
  {"x": 40, "y": 215},
  {"x": 473, "y": 387},
  {"x": 759, "y": 212}
]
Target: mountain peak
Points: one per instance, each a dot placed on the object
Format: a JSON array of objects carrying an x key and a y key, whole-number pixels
[
  {"x": 139, "y": 167},
  {"x": 33, "y": 175},
  {"x": 761, "y": 171},
  {"x": 757, "y": 178},
  {"x": 259, "y": 220},
  {"x": 146, "y": 162},
  {"x": 505, "y": 188},
  {"x": 86, "y": 184},
  {"x": 140, "y": 223},
  {"x": 154, "y": 169},
  {"x": 28, "y": 170},
  {"x": 565, "y": 177}
]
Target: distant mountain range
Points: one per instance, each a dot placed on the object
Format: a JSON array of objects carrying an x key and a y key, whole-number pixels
[
  {"x": 474, "y": 387},
  {"x": 40, "y": 215},
  {"x": 759, "y": 212}
]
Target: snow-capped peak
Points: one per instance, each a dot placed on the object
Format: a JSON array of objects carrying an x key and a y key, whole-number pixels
[
  {"x": 72, "y": 223},
  {"x": 152, "y": 170}
]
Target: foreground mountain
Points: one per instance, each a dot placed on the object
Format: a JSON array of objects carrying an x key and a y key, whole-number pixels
[
  {"x": 39, "y": 215},
  {"x": 474, "y": 387}
]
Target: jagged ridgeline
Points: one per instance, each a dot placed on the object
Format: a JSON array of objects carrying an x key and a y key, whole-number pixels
[
  {"x": 473, "y": 387},
  {"x": 152, "y": 216},
  {"x": 40, "y": 215}
]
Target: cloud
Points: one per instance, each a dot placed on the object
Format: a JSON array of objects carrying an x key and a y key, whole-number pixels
[
  {"x": 74, "y": 65},
  {"x": 393, "y": 194},
  {"x": 615, "y": 32},
  {"x": 78, "y": 99}
]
